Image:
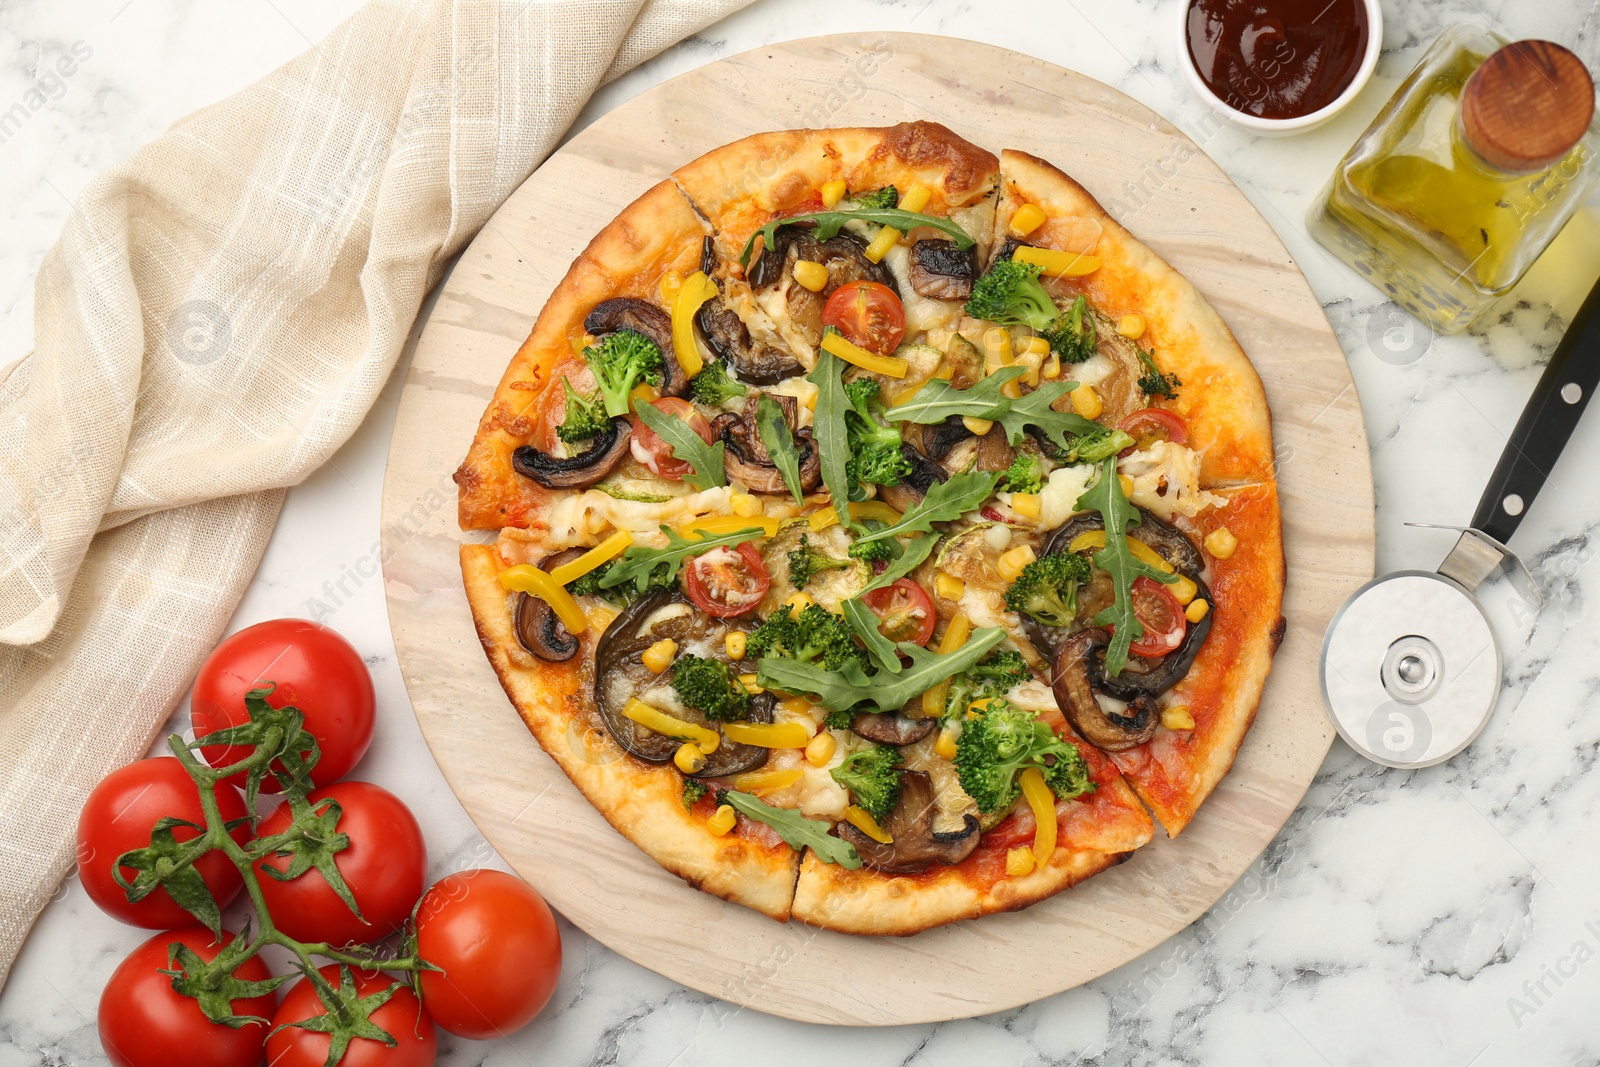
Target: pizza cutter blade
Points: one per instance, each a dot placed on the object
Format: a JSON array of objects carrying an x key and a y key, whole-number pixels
[{"x": 1410, "y": 663}]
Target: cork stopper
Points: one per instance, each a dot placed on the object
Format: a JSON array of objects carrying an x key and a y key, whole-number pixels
[{"x": 1527, "y": 105}]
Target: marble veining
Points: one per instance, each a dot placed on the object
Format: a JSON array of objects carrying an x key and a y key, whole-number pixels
[{"x": 1440, "y": 917}]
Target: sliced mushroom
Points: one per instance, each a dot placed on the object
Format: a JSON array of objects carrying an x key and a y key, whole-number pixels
[
  {"x": 1147, "y": 678},
  {"x": 994, "y": 451},
  {"x": 754, "y": 361},
  {"x": 642, "y": 317},
  {"x": 746, "y": 455},
  {"x": 916, "y": 845},
  {"x": 844, "y": 254},
  {"x": 891, "y": 729},
  {"x": 604, "y": 454},
  {"x": 537, "y": 627},
  {"x": 939, "y": 439},
  {"x": 911, "y": 490},
  {"x": 1073, "y": 686},
  {"x": 941, "y": 270},
  {"x": 1172, "y": 544}
]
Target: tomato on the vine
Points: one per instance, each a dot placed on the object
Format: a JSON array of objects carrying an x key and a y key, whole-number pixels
[
  {"x": 314, "y": 669},
  {"x": 906, "y": 611},
  {"x": 383, "y": 866},
  {"x": 119, "y": 816},
  {"x": 401, "y": 1016},
  {"x": 497, "y": 944},
  {"x": 869, "y": 314},
  {"x": 144, "y": 1022},
  {"x": 648, "y": 447},
  {"x": 1148, "y": 425},
  {"x": 727, "y": 581},
  {"x": 1161, "y": 616}
]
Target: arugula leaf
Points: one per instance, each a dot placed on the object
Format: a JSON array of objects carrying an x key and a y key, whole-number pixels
[
  {"x": 866, "y": 624},
  {"x": 774, "y": 433},
  {"x": 828, "y": 223},
  {"x": 829, "y": 429},
  {"x": 640, "y": 562},
  {"x": 938, "y": 400},
  {"x": 881, "y": 691},
  {"x": 796, "y": 830},
  {"x": 1118, "y": 561},
  {"x": 1034, "y": 410},
  {"x": 911, "y": 556},
  {"x": 706, "y": 460},
  {"x": 944, "y": 502}
]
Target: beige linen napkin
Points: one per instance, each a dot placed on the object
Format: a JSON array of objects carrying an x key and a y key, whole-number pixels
[{"x": 218, "y": 316}]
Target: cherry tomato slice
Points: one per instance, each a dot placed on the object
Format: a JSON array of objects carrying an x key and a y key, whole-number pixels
[
  {"x": 727, "y": 581},
  {"x": 1153, "y": 424},
  {"x": 1159, "y": 612},
  {"x": 906, "y": 610},
  {"x": 868, "y": 314},
  {"x": 653, "y": 452}
]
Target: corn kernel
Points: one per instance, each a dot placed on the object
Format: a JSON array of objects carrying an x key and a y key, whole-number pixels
[
  {"x": 1050, "y": 369},
  {"x": 1019, "y": 861},
  {"x": 1086, "y": 402},
  {"x": 736, "y": 643},
  {"x": 811, "y": 275},
  {"x": 1183, "y": 590},
  {"x": 1196, "y": 610},
  {"x": 749, "y": 682},
  {"x": 945, "y": 746},
  {"x": 1026, "y": 219},
  {"x": 689, "y": 759},
  {"x": 1012, "y": 390},
  {"x": 810, "y": 401},
  {"x": 1012, "y": 560},
  {"x": 1131, "y": 326},
  {"x": 879, "y": 247},
  {"x": 658, "y": 657},
  {"x": 976, "y": 427},
  {"x": 1037, "y": 344},
  {"x": 744, "y": 505},
  {"x": 996, "y": 348},
  {"x": 1030, "y": 362},
  {"x": 796, "y": 706},
  {"x": 723, "y": 820},
  {"x": 1177, "y": 717},
  {"x": 642, "y": 395},
  {"x": 916, "y": 198},
  {"x": 1126, "y": 483},
  {"x": 800, "y": 601},
  {"x": 1026, "y": 505},
  {"x": 820, "y": 749},
  {"x": 949, "y": 586},
  {"x": 833, "y": 192},
  {"x": 1221, "y": 542}
]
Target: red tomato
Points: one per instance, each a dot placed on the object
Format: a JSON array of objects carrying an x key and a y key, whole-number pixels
[
  {"x": 868, "y": 314},
  {"x": 1154, "y": 424},
  {"x": 655, "y": 453},
  {"x": 383, "y": 866},
  {"x": 315, "y": 669},
  {"x": 145, "y": 1023},
  {"x": 118, "y": 817},
  {"x": 906, "y": 610},
  {"x": 1159, "y": 612},
  {"x": 726, "y": 582},
  {"x": 498, "y": 944},
  {"x": 402, "y": 1017}
]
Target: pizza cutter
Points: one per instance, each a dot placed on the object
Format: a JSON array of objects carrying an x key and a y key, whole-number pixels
[{"x": 1410, "y": 663}]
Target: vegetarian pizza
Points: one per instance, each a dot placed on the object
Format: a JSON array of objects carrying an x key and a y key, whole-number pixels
[{"x": 885, "y": 534}]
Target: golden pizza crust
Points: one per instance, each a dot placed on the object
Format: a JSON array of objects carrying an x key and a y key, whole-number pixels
[{"x": 643, "y": 801}]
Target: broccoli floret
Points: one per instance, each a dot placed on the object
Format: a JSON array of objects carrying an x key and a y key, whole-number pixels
[
  {"x": 888, "y": 196},
  {"x": 875, "y": 453},
  {"x": 873, "y": 777},
  {"x": 621, "y": 362},
  {"x": 839, "y": 720},
  {"x": 712, "y": 386},
  {"x": 1152, "y": 382},
  {"x": 805, "y": 562},
  {"x": 1047, "y": 588},
  {"x": 586, "y": 416},
  {"x": 813, "y": 635},
  {"x": 1025, "y": 475},
  {"x": 626, "y": 593},
  {"x": 708, "y": 686},
  {"x": 998, "y": 745},
  {"x": 1097, "y": 445},
  {"x": 693, "y": 790},
  {"x": 1074, "y": 338},
  {"x": 994, "y": 677},
  {"x": 873, "y": 551},
  {"x": 1012, "y": 295}
]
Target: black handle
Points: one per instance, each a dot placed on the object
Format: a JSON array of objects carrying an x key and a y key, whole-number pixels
[{"x": 1546, "y": 423}]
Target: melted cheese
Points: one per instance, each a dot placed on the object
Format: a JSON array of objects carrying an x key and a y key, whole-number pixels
[
  {"x": 1058, "y": 502},
  {"x": 1166, "y": 480},
  {"x": 583, "y": 518},
  {"x": 816, "y": 793},
  {"x": 1092, "y": 371},
  {"x": 804, "y": 391}
]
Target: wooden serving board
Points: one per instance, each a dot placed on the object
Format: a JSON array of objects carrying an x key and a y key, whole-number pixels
[{"x": 1167, "y": 192}]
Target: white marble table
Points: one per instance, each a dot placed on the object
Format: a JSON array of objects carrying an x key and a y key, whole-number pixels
[{"x": 1444, "y": 917}]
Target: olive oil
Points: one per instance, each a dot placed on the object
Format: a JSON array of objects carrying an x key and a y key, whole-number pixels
[{"x": 1436, "y": 203}]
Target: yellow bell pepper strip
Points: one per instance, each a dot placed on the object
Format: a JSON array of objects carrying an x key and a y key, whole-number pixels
[
  {"x": 1142, "y": 552},
  {"x": 768, "y": 735},
  {"x": 865, "y": 509},
  {"x": 863, "y": 821},
  {"x": 726, "y": 524},
  {"x": 956, "y": 632},
  {"x": 763, "y": 782},
  {"x": 526, "y": 578},
  {"x": 609, "y": 549},
  {"x": 1057, "y": 264},
  {"x": 696, "y": 290},
  {"x": 671, "y": 726},
  {"x": 1043, "y": 803},
  {"x": 893, "y": 366}
]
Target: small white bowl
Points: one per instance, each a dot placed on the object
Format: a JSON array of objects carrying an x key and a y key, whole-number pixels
[{"x": 1281, "y": 127}]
